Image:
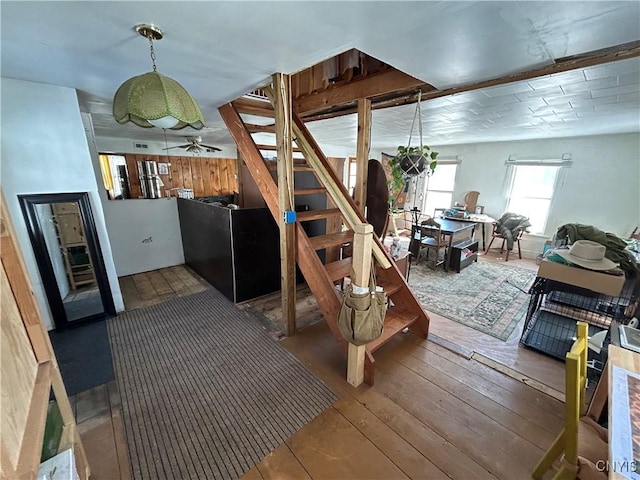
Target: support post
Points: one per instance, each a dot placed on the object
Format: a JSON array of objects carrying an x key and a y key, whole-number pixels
[
  {"x": 282, "y": 107},
  {"x": 362, "y": 152},
  {"x": 361, "y": 268}
]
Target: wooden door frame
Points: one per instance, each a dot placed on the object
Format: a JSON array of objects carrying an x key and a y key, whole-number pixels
[{"x": 43, "y": 260}]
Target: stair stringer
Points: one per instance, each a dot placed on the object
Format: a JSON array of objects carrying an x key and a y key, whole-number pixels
[
  {"x": 315, "y": 274},
  {"x": 404, "y": 296}
]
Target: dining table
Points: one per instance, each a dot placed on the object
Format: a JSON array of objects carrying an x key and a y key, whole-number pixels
[
  {"x": 451, "y": 229},
  {"x": 478, "y": 218}
]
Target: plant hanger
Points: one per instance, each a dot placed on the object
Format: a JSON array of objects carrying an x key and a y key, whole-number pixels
[
  {"x": 414, "y": 160},
  {"x": 418, "y": 115}
]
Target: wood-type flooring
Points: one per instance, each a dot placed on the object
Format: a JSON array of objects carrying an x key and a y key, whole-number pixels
[{"x": 432, "y": 413}]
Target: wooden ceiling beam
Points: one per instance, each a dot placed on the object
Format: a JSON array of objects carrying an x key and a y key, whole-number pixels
[
  {"x": 589, "y": 59},
  {"x": 372, "y": 86}
]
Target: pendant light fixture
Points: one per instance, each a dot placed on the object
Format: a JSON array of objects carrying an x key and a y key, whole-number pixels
[{"x": 154, "y": 100}]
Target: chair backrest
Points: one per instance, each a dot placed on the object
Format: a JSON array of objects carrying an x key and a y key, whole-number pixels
[
  {"x": 432, "y": 229},
  {"x": 576, "y": 383},
  {"x": 471, "y": 200},
  {"x": 439, "y": 212}
]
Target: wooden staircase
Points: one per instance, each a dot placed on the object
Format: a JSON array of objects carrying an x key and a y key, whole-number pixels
[{"x": 405, "y": 310}]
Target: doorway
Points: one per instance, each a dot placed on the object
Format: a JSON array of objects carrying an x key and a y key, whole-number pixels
[{"x": 68, "y": 255}]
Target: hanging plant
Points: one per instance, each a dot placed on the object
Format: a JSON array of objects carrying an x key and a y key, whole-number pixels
[
  {"x": 410, "y": 161},
  {"x": 414, "y": 160}
]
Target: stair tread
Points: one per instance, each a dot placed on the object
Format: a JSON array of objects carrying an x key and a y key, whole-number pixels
[
  {"x": 340, "y": 269},
  {"x": 309, "y": 191},
  {"x": 389, "y": 287},
  {"x": 396, "y": 320},
  {"x": 296, "y": 168},
  {"x": 331, "y": 240},
  {"x": 318, "y": 214},
  {"x": 263, "y": 146}
]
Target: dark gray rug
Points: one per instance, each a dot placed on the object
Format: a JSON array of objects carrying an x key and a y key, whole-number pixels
[
  {"x": 206, "y": 392},
  {"x": 84, "y": 356}
]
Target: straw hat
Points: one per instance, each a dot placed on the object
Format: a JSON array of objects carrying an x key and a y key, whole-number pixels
[{"x": 587, "y": 254}]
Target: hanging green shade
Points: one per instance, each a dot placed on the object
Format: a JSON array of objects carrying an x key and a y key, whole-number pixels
[{"x": 154, "y": 100}]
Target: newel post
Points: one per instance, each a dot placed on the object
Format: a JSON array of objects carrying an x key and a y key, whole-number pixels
[{"x": 361, "y": 268}]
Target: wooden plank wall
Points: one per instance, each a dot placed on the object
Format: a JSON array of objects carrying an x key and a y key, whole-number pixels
[
  {"x": 311, "y": 79},
  {"x": 205, "y": 176},
  {"x": 19, "y": 367}
]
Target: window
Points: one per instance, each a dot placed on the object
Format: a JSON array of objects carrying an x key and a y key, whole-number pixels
[
  {"x": 115, "y": 176},
  {"x": 351, "y": 175},
  {"x": 531, "y": 193},
  {"x": 438, "y": 189}
]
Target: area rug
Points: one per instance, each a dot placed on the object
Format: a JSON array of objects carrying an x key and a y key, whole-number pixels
[
  {"x": 488, "y": 297},
  {"x": 84, "y": 356},
  {"x": 206, "y": 392}
]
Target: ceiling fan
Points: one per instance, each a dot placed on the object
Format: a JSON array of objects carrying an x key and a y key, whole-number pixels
[{"x": 195, "y": 145}]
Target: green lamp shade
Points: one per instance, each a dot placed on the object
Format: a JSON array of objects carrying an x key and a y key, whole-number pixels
[{"x": 151, "y": 99}]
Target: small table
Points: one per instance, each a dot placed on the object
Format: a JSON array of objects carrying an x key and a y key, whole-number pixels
[{"x": 477, "y": 218}]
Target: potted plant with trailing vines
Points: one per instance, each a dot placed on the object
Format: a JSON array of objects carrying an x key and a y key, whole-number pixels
[{"x": 409, "y": 162}]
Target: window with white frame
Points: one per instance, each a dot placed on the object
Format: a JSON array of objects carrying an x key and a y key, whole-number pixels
[
  {"x": 531, "y": 192},
  {"x": 351, "y": 175},
  {"x": 438, "y": 188}
]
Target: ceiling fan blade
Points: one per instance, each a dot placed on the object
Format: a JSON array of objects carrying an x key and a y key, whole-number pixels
[
  {"x": 211, "y": 147},
  {"x": 177, "y": 146}
]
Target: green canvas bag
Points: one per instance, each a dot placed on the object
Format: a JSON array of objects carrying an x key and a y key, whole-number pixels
[{"x": 361, "y": 316}]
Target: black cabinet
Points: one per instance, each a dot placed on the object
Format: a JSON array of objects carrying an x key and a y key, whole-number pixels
[
  {"x": 463, "y": 253},
  {"x": 236, "y": 251}
]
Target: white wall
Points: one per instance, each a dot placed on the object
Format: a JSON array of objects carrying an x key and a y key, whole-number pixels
[
  {"x": 145, "y": 234},
  {"x": 601, "y": 188},
  {"x": 44, "y": 150}
]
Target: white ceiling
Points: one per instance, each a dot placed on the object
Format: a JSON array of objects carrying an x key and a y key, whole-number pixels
[{"x": 221, "y": 50}]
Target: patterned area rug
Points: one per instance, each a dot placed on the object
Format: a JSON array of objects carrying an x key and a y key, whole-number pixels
[
  {"x": 206, "y": 392},
  {"x": 488, "y": 297}
]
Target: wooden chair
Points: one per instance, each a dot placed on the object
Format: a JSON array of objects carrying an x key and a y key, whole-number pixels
[
  {"x": 431, "y": 239},
  {"x": 471, "y": 200},
  {"x": 496, "y": 234},
  {"x": 581, "y": 448}
]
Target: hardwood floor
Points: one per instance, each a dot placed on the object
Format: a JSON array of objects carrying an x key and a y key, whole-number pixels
[
  {"x": 149, "y": 288},
  {"x": 528, "y": 365},
  {"x": 533, "y": 365},
  {"x": 99, "y": 421},
  {"x": 432, "y": 413}
]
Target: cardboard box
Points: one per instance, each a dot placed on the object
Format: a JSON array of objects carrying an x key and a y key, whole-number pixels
[{"x": 580, "y": 277}]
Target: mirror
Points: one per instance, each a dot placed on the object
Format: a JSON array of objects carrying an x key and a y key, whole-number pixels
[{"x": 66, "y": 248}]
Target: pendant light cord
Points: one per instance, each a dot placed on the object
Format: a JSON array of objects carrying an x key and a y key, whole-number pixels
[{"x": 153, "y": 53}]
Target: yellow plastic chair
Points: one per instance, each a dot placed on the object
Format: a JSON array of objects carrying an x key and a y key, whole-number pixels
[{"x": 581, "y": 447}]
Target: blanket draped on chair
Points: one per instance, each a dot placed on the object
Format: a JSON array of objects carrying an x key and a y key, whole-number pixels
[{"x": 509, "y": 226}]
